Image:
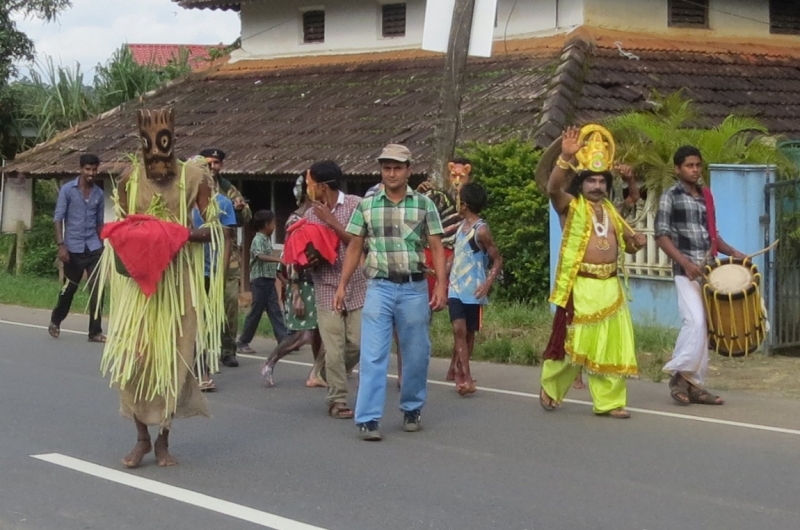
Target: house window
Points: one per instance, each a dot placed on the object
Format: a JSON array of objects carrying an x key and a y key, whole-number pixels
[
  {"x": 688, "y": 13},
  {"x": 393, "y": 20},
  {"x": 314, "y": 26},
  {"x": 784, "y": 17}
]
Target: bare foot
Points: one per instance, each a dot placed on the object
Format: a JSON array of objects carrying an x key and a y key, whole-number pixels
[
  {"x": 578, "y": 384},
  {"x": 313, "y": 382},
  {"x": 451, "y": 375},
  {"x": 134, "y": 458},
  {"x": 163, "y": 457},
  {"x": 266, "y": 375}
]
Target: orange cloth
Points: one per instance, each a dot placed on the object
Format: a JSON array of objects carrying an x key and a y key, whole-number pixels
[
  {"x": 302, "y": 235},
  {"x": 146, "y": 245},
  {"x": 448, "y": 252}
]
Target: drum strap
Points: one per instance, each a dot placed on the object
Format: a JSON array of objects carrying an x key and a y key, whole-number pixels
[{"x": 711, "y": 219}]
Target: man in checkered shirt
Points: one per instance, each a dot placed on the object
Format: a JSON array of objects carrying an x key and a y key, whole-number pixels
[
  {"x": 397, "y": 223},
  {"x": 340, "y": 330},
  {"x": 684, "y": 233}
]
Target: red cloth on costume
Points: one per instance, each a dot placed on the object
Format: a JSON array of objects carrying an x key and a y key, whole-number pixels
[
  {"x": 555, "y": 349},
  {"x": 432, "y": 277},
  {"x": 711, "y": 216},
  {"x": 146, "y": 246},
  {"x": 302, "y": 235}
]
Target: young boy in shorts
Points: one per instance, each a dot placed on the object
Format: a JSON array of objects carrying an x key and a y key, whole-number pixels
[{"x": 471, "y": 279}]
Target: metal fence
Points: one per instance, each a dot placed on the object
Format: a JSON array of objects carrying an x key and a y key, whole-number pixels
[{"x": 782, "y": 274}]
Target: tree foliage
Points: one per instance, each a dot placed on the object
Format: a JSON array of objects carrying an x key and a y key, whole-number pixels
[
  {"x": 647, "y": 140},
  {"x": 517, "y": 214},
  {"x": 17, "y": 46}
]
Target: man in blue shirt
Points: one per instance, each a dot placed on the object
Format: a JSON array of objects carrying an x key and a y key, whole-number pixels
[
  {"x": 227, "y": 218},
  {"x": 78, "y": 221}
]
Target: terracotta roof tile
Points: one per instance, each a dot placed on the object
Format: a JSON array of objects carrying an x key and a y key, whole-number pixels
[
  {"x": 275, "y": 117},
  {"x": 160, "y": 55}
]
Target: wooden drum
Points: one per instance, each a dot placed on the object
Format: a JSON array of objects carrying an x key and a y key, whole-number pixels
[{"x": 734, "y": 311}]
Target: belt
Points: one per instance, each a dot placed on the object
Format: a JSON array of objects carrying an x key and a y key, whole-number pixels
[
  {"x": 600, "y": 271},
  {"x": 403, "y": 278}
]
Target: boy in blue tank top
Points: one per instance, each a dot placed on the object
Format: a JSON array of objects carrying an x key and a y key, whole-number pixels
[{"x": 471, "y": 279}]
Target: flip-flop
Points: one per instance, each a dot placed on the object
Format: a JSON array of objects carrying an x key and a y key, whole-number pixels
[
  {"x": 208, "y": 386},
  {"x": 546, "y": 406},
  {"x": 53, "y": 330},
  {"x": 617, "y": 414},
  {"x": 97, "y": 338},
  {"x": 704, "y": 397}
]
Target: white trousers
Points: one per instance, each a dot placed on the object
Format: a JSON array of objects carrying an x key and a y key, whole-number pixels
[{"x": 690, "y": 356}]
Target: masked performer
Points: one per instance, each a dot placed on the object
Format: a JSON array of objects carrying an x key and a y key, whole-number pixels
[
  {"x": 599, "y": 338},
  {"x": 161, "y": 312}
]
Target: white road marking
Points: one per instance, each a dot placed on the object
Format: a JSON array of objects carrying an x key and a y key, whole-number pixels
[
  {"x": 729, "y": 423},
  {"x": 268, "y": 520}
]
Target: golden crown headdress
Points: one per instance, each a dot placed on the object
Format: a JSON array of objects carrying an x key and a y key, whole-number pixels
[{"x": 597, "y": 153}]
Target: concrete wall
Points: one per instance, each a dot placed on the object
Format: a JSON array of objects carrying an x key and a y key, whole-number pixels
[
  {"x": 274, "y": 29},
  {"x": 733, "y": 18}
]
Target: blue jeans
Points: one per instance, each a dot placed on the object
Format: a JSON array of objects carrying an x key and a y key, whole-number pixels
[
  {"x": 265, "y": 298},
  {"x": 405, "y": 308}
]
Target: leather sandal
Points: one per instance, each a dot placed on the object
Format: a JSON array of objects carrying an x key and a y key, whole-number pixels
[{"x": 340, "y": 411}]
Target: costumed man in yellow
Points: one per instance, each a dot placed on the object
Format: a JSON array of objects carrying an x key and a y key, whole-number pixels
[
  {"x": 599, "y": 337},
  {"x": 160, "y": 312}
]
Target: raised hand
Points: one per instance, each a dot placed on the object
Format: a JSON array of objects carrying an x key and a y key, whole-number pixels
[
  {"x": 569, "y": 142},
  {"x": 625, "y": 171}
]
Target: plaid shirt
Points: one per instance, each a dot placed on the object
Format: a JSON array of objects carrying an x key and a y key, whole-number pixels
[
  {"x": 396, "y": 233},
  {"x": 683, "y": 218},
  {"x": 326, "y": 276},
  {"x": 261, "y": 269}
]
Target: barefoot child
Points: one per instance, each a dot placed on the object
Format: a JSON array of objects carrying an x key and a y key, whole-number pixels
[
  {"x": 469, "y": 281},
  {"x": 263, "y": 268}
]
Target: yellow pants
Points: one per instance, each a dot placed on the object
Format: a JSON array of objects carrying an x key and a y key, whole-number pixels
[{"x": 608, "y": 392}]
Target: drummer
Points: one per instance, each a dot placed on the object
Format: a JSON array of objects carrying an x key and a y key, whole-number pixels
[{"x": 686, "y": 231}]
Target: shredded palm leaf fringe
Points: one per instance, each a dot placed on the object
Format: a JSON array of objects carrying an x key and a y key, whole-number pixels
[{"x": 141, "y": 349}]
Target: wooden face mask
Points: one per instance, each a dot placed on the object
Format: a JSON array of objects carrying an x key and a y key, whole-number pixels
[{"x": 156, "y": 132}]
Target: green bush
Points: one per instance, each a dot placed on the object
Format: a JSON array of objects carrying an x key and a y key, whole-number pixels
[
  {"x": 517, "y": 214},
  {"x": 40, "y": 245}
]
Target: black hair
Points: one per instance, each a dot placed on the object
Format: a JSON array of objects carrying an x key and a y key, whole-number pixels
[
  {"x": 577, "y": 182},
  {"x": 89, "y": 160},
  {"x": 460, "y": 160},
  {"x": 261, "y": 219},
  {"x": 474, "y": 196},
  {"x": 327, "y": 172},
  {"x": 684, "y": 152}
]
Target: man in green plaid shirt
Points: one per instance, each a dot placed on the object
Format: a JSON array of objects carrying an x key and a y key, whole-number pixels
[{"x": 396, "y": 224}]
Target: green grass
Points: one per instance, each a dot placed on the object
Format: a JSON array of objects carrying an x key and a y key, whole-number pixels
[{"x": 32, "y": 291}]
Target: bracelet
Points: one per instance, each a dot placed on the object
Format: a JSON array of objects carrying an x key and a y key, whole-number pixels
[{"x": 563, "y": 164}]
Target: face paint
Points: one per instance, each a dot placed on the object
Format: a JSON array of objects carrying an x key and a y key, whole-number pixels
[
  {"x": 156, "y": 132},
  {"x": 311, "y": 187}
]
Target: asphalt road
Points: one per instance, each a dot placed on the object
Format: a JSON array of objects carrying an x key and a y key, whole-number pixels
[{"x": 491, "y": 461}]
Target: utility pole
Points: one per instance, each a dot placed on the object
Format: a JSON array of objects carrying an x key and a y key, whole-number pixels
[{"x": 452, "y": 90}]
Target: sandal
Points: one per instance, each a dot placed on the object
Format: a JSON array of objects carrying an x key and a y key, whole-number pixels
[
  {"x": 97, "y": 338},
  {"x": 617, "y": 414},
  {"x": 207, "y": 386},
  {"x": 340, "y": 411},
  {"x": 550, "y": 405},
  {"x": 704, "y": 397},
  {"x": 679, "y": 390},
  {"x": 53, "y": 330}
]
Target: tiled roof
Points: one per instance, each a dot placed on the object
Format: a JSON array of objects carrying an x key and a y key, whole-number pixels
[
  {"x": 275, "y": 117},
  {"x": 161, "y": 54},
  {"x": 277, "y": 121},
  {"x": 212, "y": 4}
]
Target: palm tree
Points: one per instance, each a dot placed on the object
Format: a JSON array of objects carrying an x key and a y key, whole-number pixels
[{"x": 647, "y": 140}]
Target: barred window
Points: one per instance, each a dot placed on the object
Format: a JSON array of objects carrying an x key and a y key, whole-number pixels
[
  {"x": 393, "y": 20},
  {"x": 688, "y": 13},
  {"x": 784, "y": 17},
  {"x": 314, "y": 26}
]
